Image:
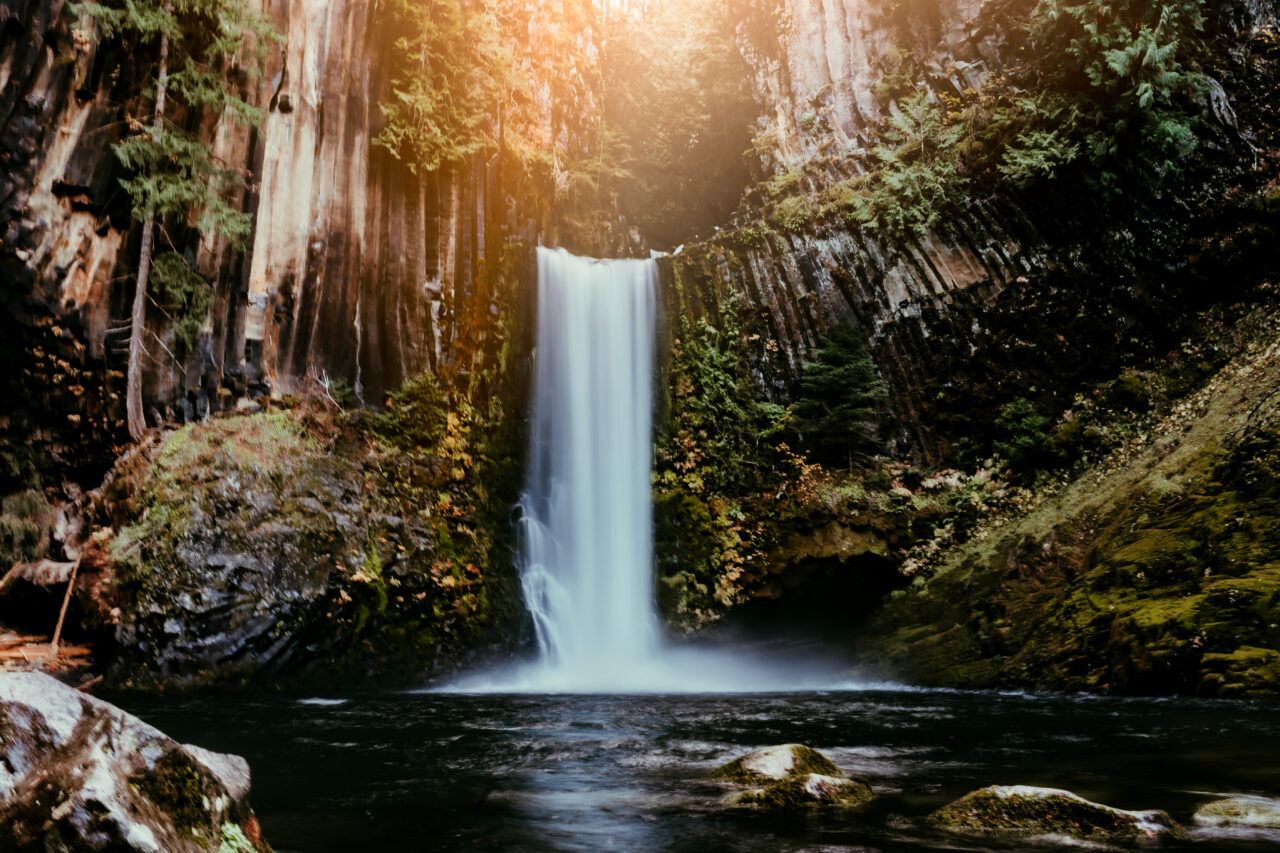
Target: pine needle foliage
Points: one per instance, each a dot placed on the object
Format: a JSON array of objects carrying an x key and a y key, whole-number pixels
[
  {"x": 212, "y": 43},
  {"x": 840, "y": 396},
  {"x": 201, "y": 49},
  {"x": 184, "y": 294},
  {"x": 450, "y": 70}
]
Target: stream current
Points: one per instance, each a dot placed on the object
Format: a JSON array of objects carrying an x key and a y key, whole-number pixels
[{"x": 393, "y": 773}]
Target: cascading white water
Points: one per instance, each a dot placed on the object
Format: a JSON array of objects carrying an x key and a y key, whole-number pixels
[
  {"x": 587, "y": 520},
  {"x": 588, "y": 517}
]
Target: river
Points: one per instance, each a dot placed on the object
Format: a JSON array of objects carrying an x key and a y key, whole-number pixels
[{"x": 393, "y": 772}]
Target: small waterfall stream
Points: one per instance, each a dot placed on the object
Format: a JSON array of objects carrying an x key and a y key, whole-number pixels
[{"x": 588, "y": 517}]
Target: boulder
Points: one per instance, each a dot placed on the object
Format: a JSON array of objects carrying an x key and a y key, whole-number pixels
[
  {"x": 78, "y": 774},
  {"x": 791, "y": 776},
  {"x": 1240, "y": 812},
  {"x": 247, "y": 548},
  {"x": 1024, "y": 811}
]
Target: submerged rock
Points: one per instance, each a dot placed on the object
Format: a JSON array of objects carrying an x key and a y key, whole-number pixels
[
  {"x": 1023, "y": 811},
  {"x": 78, "y": 774},
  {"x": 792, "y": 776},
  {"x": 1245, "y": 812}
]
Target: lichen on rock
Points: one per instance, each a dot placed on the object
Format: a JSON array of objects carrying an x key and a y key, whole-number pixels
[
  {"x": 791, "y": 777},
  {"x": 1024, "y": 811},
  {"x": 288, "y": 543},
  {"x": 77, "y": 774},
  {"x": 1240, "y": 811}
]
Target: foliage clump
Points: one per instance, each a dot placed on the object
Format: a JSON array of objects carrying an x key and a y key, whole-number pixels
[
  {"x": 185, "y": 295},
  {"x": 1114, "y": 85},
  {"x": 211, "y": 44},
  {"x": 452, "y": 66},
  {"x": 26, "y": 525},
  {"x": 415, "y": 417},
  {"x": 837, "y": 407}
]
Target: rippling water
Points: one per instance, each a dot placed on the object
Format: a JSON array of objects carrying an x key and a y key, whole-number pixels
[{"x": 415, "y": 772}]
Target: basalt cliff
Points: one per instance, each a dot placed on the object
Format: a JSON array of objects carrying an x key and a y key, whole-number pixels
[{"x": 1059, "y": 284}]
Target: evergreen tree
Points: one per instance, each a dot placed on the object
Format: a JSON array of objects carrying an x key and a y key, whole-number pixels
[
  {"x": 840, "y": 395},
  {"x": 172, "y": 173},
  {"x": 451, "y": 65}
]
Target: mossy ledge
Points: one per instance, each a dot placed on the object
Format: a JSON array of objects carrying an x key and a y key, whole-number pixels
[{"x": 1154, "y": 572}]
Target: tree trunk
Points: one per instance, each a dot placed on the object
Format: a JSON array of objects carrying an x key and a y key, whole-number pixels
[{"x": 133, "y": 393}]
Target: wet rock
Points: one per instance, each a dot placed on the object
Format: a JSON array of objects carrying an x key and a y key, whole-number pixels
[
  {"x": 78, "y": 774},
  {"x": 1240, "y": 812},
  {"x": 792, "y": 776},
  {"x": 1024, "y": 811}
]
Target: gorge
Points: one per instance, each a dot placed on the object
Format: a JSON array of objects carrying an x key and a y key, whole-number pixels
[{"x": 935, "y": 350}]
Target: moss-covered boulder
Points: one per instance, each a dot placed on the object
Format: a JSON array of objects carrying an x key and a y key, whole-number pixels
[
  {"x": 1240, "y": 812},
  {"x": 1024, "y": 811},
  {"x": 275, "y": 545},
  {"x": 791, "y": 777}
]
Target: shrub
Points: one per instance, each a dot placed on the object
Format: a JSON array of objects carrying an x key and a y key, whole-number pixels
[{"x": 840, "y": 395}]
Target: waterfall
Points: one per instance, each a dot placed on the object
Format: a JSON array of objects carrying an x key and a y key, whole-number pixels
[
  {"x": 587, "y": 525},
  {"x": 586, "y": 521}
]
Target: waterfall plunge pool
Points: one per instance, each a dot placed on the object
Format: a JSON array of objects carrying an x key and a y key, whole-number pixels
[{"x": 404, "y": 772}]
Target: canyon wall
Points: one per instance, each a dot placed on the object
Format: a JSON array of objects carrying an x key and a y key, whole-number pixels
[
  {"x": 360, "y": 270},
  {"x": 357, "y": 268},
  {"x": 1014, "y": 290}
]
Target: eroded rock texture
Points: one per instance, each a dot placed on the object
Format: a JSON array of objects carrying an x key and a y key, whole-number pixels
[{"x": 81, "y": 775}]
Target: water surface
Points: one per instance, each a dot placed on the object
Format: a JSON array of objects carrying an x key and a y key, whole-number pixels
[{"x": 417, "y": 772}]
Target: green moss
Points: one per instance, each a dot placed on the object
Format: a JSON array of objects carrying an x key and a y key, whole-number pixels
[
  {"x": 181, "y": 789},
  {"x": 1240, "y": 811},
  {"x": 1148, "y": 583},
  {"x": 1130, "y": 391},
  {"x": 26, "y": 525},
  {"x": 233, "y": 840},
  {"x": 1002, "y": 812},
  {"x": 797, "y": 794}
]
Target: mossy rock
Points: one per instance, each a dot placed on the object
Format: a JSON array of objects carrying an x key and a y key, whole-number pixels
[
  {"x": 1023, "y": 811},
  {"x": 776, "y": 764},
  {"x": 792, "y": 777},
  {"x": 808, "y": 791},
  {"x": 1244, "y": 671},
  {"x": 1243, "y": 812}
]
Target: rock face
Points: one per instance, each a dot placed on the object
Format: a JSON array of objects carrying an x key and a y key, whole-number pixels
[
  {"x": 1012, "y": 291},
  {"x": 1023, "y": 811},
  {"x": 78, "y": 774},
  {"x": 1138, "y": 578},
  {"x": 792, "y": 776},
  {"x": 358, "y": 269}
]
